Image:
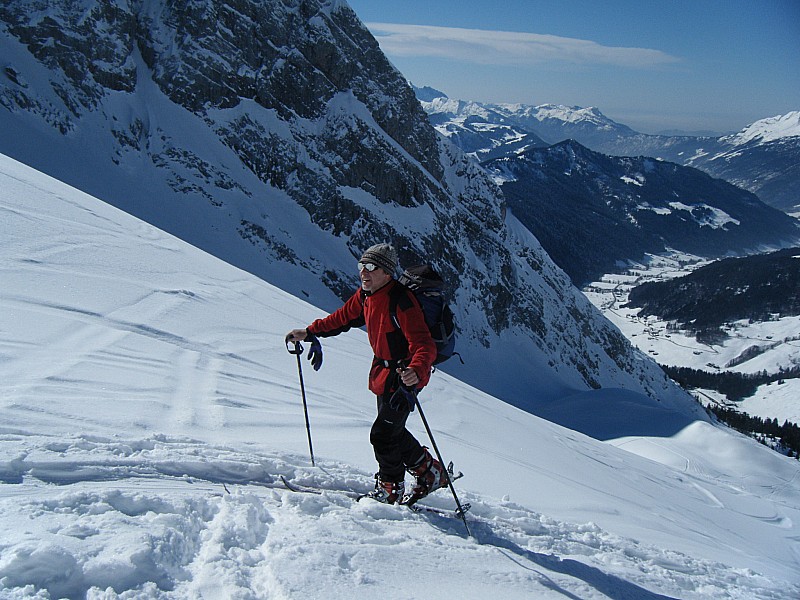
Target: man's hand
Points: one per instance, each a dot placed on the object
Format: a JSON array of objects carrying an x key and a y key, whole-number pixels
[
  {"x": 296, "y": 335},
  {"x": 409, "y": 377}
]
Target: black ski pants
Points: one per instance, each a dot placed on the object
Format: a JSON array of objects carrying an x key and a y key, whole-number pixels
[{"x": 395, "y": 447}]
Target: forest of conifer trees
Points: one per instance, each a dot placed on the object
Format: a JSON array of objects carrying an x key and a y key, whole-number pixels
[
  {"x": 736, "y": 386},
  {"x": 786, "y": 437}
]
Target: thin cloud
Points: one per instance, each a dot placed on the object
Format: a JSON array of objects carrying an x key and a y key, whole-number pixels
[{"x": 507, "y": 47}]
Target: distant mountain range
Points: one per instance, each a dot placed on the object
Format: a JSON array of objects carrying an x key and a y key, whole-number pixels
[
  {"x": 592, "y": 212},
  {"x": 763, "y": 158}
]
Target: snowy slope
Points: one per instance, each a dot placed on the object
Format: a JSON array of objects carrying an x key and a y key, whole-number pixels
[{"x": 138, "y": 374}]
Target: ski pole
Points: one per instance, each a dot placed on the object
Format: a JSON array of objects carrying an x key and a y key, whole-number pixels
[
  {"x": 461, "y": 511},
  {"x": 297, "y": 351}
]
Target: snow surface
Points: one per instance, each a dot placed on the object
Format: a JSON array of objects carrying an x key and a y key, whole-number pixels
[
  {"x": 139, "y": 374},
  {"x": 703, "y": 214},
  {"x": 712, "y": 217}
]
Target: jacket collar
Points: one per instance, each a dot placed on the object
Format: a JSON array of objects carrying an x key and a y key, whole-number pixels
[{"x": 382, "y": 290}]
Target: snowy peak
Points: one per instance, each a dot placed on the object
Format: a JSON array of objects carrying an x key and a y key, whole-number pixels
[
  {"x": 767, "y": 130},
  {"x": 568, "y": 115},
  {"x": 459, "y": 109},
  {"x": 553, "y": 122},
  {"x": 481, "y": 131}
]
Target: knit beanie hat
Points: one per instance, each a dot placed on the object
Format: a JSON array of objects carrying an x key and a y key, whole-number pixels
[{"x": 383, "y": 256}]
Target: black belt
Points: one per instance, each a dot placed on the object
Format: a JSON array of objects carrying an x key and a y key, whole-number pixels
[{"x": 389, "y": 364}]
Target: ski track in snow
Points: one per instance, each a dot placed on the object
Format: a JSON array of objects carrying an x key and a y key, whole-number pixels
[{"x": 183, "y": 535}]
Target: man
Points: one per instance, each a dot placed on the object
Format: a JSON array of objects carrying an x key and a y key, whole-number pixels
[{"x": 400, "y": 368}]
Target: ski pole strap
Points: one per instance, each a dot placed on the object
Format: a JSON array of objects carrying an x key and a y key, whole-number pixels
[{"x": 298, "y": 347}]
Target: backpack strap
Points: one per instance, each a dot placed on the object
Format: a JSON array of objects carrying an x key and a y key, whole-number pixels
[{"x": 398, "y": 296}]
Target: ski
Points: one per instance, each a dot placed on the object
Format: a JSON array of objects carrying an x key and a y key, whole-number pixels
[
  {"x": 416, "y": 507},
  {"x": 445, "y": 512},
  {"x": 308, "y": 489}
]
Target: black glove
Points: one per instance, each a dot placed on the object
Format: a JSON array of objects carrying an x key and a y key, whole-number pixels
[
  {"x": 314, "y": 351},
  {"x": 401, "y": 396}
]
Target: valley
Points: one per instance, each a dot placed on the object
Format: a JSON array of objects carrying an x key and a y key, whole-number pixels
[{"x": 747, "y": 347}]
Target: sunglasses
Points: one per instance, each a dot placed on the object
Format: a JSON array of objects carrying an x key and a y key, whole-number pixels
[{"x": 366, "y": 266}]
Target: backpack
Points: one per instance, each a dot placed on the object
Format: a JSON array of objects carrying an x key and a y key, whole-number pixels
[{"x": 428, "y": 287}]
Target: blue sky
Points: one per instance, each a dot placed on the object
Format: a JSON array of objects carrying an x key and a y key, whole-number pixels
[{"x": 713, "y": 65}]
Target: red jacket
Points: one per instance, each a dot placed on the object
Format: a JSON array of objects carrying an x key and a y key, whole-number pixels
[{"x": 412, "y": 343}]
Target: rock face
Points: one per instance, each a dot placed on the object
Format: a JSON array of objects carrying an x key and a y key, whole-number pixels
[{"x": 277, "y": 136}]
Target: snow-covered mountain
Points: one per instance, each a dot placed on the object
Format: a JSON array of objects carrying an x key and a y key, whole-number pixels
[
  {"x": 553, "y": 122},
  {"x": 763, "y": 158},
  {"x": 486, "y": 131},
  {"x": 767, "y": 130},
  {"x": 148, "y": 407},
  {"x": 276, "y": 136},
  {"x": 595, "y": 213},
  {"x": 481, "y": 132}
]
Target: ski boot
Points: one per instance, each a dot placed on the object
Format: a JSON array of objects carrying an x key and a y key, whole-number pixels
[
  {"x": 388, "y": 492},
  {"x": 430, "y": 476}
]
